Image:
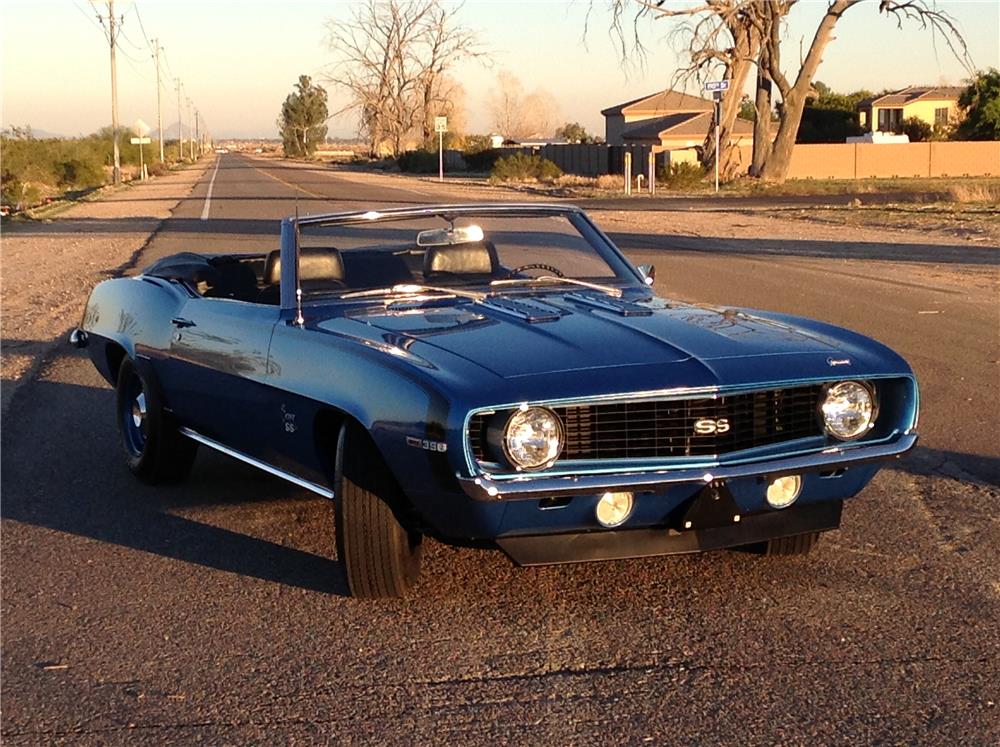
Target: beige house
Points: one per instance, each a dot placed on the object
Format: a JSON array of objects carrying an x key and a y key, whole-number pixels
[
  {"x": 935, "y": 105},
  {"x": 668, "y": 120}
]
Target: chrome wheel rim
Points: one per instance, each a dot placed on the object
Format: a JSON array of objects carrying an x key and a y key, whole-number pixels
[{"x": 134, "y": 418}]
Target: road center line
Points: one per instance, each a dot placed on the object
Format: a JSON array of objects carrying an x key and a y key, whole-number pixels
[{"x": 208, "y": 195}]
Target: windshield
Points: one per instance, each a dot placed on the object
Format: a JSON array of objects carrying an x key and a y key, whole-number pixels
[{"x": 479, "y": 252}]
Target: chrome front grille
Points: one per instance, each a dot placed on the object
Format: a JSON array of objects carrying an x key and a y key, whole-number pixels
[{"x": 666, "y": 429}]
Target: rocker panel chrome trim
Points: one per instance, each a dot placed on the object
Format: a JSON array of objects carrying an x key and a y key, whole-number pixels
[{"x": 270, "y": 469}]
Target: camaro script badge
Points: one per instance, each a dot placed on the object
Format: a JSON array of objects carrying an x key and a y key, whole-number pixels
[
  {"x": 708, "y": 426},
  {"x": 838, "y": 361}
]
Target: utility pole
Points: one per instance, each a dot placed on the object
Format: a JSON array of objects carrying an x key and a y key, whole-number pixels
[
  {"x": 190, "y": 139},
  {"x": 114, "y": 92},
  {"x": 197, "y": 135},
  {"x": 180, "y": 124},
  {"x": 159, "y": 109}
]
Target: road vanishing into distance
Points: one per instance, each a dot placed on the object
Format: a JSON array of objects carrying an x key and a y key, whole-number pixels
[{"x": 212, "y": 611}]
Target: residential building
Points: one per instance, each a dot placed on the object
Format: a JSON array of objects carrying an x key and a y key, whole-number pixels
[
  {"x": 935, "y": 105},
  {"x": 668, "y": 120}
]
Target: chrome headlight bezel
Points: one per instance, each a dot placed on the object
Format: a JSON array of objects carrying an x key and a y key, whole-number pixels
[
  {"x": 555, "y": 446},
  {"x": 836, "y": 390}
]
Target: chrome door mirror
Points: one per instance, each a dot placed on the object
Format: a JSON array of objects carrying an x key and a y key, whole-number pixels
[{"x": 648, "y": 273}]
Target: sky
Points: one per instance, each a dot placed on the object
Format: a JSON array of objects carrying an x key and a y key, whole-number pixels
[{"x": 238, "y": 60}]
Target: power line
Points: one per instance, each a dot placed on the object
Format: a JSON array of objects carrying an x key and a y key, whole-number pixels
[
  {"x": 90, "y": 18},
  {"x": 135, "y": 7}
]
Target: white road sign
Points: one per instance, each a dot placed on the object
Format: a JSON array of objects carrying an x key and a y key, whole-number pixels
[
  {"x": 140, "y": 128},
  {"x": 140, "y": 141},
  {"x": 440, "y": 124}
]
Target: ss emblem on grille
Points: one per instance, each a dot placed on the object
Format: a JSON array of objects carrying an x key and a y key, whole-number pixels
[{"x": 708, "y": 426}]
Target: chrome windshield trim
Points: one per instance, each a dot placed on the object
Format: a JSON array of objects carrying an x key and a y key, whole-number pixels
[
  {"x": 269, "y": 468},
  {"x": 542, "y": 486}
]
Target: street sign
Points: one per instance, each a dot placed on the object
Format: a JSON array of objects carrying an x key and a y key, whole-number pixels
[
  {"x": 717, "y": 85},
  {"x": 440, "y": 124},
  {"x": 140, "y": 141},
  {"x": 140, "y": 128}
]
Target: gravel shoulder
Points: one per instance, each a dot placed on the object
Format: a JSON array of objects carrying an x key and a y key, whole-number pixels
[{"x": 50, "y": 266}]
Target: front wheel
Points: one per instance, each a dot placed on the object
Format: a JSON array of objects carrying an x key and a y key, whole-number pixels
[
  {"x": 154, "y": 451},
  {"x": 379, "y": 557}
]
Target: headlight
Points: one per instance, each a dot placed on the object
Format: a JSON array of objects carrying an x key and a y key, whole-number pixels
[
  {"x": 848, "y": 410},
  {"x": 533, "y": 438}
]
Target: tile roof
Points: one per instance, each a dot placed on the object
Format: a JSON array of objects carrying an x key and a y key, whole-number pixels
[
  {"x": 679, "y": 125},
  {"x": 912, "y": 93},
  {"x": 661, "y": 103}
]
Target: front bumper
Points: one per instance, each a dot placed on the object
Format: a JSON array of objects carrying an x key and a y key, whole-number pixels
[
  {"x": 638, "y": 543},
  {"x": 527, "y": 487}
]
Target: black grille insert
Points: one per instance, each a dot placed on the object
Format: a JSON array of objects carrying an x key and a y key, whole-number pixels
[{"x": 641, "y": 430}]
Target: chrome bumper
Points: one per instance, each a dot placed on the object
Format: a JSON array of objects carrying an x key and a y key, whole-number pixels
[
  {"x": 78, "y": 338},
  {"x": 490, "y": 489}
]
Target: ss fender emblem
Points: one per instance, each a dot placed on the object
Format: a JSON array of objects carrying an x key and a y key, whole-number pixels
[{"x": 708, "y": 426}]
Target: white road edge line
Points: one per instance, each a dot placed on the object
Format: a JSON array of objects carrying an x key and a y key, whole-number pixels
[{"x": 208, "y": 195}]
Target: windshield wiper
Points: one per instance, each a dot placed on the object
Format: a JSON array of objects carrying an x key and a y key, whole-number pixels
[
  {"x": 551, "y": 279},
  {"x": 410, "y": 289}
]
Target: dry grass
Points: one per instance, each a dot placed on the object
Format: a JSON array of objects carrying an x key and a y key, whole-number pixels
[{"x": 975, "y": 192}]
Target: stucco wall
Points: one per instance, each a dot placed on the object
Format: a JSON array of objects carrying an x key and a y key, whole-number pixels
[{"x": 870, "y": 160}]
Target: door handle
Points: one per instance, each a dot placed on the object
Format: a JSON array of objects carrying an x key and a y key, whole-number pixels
[{"x": 182, "y": 323}]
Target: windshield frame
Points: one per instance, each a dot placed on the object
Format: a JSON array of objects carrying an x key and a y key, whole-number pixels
[{"x": 625, "y": 273}]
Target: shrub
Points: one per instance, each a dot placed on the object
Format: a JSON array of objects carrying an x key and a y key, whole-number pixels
[
  {"x": 158, "y": 169},
  {"x": 917, "y": 129},
  {"x": 520, "y": 167},
  {"x": 77, "y": 173},
  {"x": 418, "y": 162},
  {"x": 683, "y": 175}
]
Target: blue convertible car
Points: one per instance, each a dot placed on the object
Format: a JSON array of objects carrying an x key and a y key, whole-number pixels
[{"x": 497, "y": 376}]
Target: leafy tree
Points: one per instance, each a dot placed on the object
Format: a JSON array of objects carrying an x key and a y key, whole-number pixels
[
  {"x": 747, "y": 109},
  {"x": 981, "y": 101},
  {"x": 303, "y": 118},
  {"x": 917, "y": 129},
  {"x": 574, "y": 132}
]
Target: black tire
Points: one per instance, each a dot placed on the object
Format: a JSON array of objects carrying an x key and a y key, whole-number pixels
[
  {"x": 154, "y": 451},
  {"x": 799, "y": 544},
  {"x": 379, "y": 557}
]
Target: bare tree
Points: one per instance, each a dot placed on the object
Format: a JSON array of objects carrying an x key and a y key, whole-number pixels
[
  {"x": 391, "y": 57},
  {"x": 519, "y": 115},
  {"x": 733, "y": 36}
]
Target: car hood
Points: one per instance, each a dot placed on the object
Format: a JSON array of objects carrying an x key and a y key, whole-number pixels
[{"x": 550, "y": 335}]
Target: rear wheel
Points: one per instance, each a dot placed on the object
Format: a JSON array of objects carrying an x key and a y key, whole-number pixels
[
  {"x": 799, "y": 544},
  {"x": 380, "y": 558},
  {"x": 154, "y": 451}
]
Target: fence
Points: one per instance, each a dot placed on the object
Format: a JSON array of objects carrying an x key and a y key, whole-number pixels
[
  {"x": 888, "y": 160},
  {"x": 595, "y": 160}
]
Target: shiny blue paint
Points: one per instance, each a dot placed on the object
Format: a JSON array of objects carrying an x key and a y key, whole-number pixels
[{"x": 258, "y": 379}]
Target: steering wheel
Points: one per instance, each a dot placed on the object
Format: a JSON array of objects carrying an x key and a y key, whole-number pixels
[{"x": 535, "y": 266}]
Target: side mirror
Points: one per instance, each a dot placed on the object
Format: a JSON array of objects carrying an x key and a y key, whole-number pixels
[{"x": 648, "y": 273}]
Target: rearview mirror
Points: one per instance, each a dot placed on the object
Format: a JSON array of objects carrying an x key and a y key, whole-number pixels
[
  {"x": 450, "y": 236},
  {"x": 648, "y": 273}
]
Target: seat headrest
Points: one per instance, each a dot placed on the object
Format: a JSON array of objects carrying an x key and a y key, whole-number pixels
[
  {"x": 315, "y": 263},
  {"x": 462, "y": 259}
]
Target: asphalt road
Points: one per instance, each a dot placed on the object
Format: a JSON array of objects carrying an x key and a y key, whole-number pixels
[{"x": 209, "y": 612}]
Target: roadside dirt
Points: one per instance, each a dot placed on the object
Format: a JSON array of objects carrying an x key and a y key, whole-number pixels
[{"x": 50, "y": 266}]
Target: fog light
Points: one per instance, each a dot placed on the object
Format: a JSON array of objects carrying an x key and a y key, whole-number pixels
[
  {"x": 613, "y": 509},
  {"x": 783, "y": 491}
]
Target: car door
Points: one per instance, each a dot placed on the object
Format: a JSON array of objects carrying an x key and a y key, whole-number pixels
[{"x": 217, "y": 375}]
